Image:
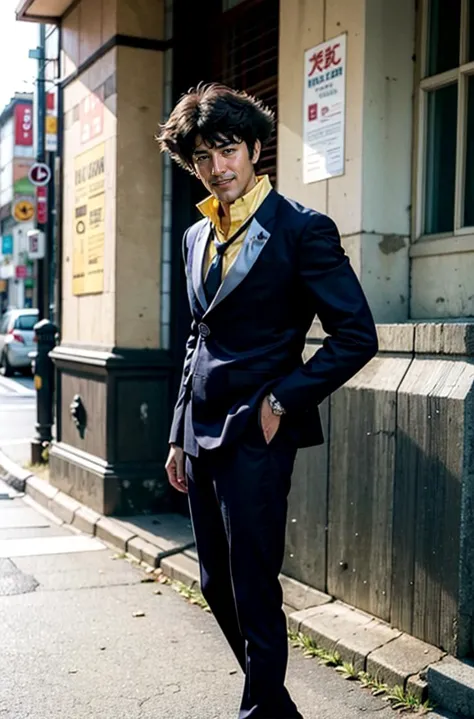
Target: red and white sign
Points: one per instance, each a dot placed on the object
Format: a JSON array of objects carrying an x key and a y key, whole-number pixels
[
  {"x": 20, "y": 272},
  {"x": 91, "y": 118},
  {"x": 23, "y": 124},
  {"x": 324, "y": 110},
  {"x": 42, "y": 205},
  {"x": 39, "y": 174}
]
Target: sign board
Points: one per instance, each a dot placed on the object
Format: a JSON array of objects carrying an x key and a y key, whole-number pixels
[
  {"x": 22, "y": 187},
  {"x": 35, "y": 244},
  {"x": 23, "y": 124},
  {"x": 7, "y": 271},
  {"x": 91, "y": 116},
  {"x": 51, "y": 133},
  {"x": 20, "y": 272},
  {"x": 42, "y": 205},
  {"x": 23, "y": 210},
  {"x": 324, "y": 110},
  {"x": 7, "y": 245},
  {"x": 51, "y": 122},
  {"x": 39, "y": 174},
  {"x": 89, "y": 222}
]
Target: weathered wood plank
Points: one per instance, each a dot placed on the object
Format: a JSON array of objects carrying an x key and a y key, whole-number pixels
[
  {"x": 306, "y": 540},
  {"x": 428, "y": 497},
  {"x": 361, "y": 477}
]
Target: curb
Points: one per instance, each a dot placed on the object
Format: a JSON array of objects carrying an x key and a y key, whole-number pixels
[
  {"x": 15, "y": 476},
  {"x": 372, "y": 646}
]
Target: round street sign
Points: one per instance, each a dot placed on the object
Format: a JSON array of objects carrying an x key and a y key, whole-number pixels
[
  {"x": 23, "y": 211},
  {"x": 39, "y": 174}
]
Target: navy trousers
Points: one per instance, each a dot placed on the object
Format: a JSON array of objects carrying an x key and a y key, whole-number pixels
[{"x": 238, "y": 501}]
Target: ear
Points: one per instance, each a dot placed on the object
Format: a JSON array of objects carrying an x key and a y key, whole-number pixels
[{"x": 256, "y": 152}]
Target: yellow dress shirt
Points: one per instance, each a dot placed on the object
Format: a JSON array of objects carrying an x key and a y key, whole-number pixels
[{"x": 240, "y": 211}]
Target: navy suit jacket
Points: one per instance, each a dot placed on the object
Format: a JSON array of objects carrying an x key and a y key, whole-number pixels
[{"x": 249, "y": 340}]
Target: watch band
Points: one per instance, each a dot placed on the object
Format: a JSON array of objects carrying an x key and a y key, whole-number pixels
[{"x": 276, "y": 406}]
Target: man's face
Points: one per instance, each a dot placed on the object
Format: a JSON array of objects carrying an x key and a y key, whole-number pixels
[{"x": 226, "y": 170}]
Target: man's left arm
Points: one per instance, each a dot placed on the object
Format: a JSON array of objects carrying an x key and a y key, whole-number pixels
[{"x": 342, "y": 308}]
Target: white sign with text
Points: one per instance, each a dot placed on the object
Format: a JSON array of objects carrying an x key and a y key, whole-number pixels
[{"x": 324, "y": 110}]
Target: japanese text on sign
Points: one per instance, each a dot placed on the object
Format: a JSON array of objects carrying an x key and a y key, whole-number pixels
[
  {"x": 89, "y": 222},
  {"x": 324, "y": 110}
]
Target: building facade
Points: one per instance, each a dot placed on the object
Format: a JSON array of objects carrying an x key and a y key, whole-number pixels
[
  {"x": 17, "y": 202},
  {"x": 382, "y": 515}
]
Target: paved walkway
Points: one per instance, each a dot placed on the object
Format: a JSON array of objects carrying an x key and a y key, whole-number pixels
[
  {"x": 72, "y": 647},
  {"x": 17, "y": 417}
]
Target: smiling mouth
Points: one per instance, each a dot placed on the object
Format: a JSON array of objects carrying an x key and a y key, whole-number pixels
[{"x": 223, "y": 182}]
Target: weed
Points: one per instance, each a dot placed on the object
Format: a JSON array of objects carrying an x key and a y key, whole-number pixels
[
  {"x": 404, "y": 701},
  {"x": 348, "y": 671},
  {"x": 192, "y": 595}
]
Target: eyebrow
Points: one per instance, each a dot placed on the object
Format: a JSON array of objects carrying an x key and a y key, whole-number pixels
[{"x": 218, "y": 146}]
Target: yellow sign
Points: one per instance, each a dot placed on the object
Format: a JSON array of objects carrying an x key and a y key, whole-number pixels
[
  {"x": 51, "y": 124},
  {"x": 89, "y": 222},
  {"x": 23, "y": 211},
  {"x": 38, "y": 382}
]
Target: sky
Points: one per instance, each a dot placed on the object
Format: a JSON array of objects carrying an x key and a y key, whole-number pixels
[{"x": 17, "y": 71}]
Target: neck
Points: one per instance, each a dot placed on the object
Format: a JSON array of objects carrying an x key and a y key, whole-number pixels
[{"x": 224, "y": 207}]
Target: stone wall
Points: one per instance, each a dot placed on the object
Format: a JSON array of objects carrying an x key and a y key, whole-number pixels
[{"x": 382, "y": 515}]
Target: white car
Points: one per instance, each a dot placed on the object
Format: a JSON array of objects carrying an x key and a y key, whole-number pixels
[{"x": 17, "y": 340}]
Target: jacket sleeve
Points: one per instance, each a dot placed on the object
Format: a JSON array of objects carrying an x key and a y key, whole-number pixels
[
  {"x": 344, "y": 313},
  {"x": 177, "y": 424}
]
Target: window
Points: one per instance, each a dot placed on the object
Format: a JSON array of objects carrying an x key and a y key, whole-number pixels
[
  {"x": 446, "y": 190},
  {"x": 4, "y": 324},
  {"x": 26, "y": 322}
]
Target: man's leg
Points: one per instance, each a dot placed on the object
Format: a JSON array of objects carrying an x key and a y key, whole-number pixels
[
  {"x": 213, "y": 551},
  {"x": 252, "y": 482}
]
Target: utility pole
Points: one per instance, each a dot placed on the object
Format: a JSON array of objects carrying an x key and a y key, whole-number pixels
[{"x": 43, "y": 265}]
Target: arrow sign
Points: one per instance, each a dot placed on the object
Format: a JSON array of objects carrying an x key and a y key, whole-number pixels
[{"x": 39, "y": 174}]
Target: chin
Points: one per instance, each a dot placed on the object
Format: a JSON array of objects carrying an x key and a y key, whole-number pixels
[{"x": 228, "y": 195}]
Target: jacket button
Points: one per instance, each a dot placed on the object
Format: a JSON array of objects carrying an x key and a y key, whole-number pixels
[{"x": 204, "y": 330}]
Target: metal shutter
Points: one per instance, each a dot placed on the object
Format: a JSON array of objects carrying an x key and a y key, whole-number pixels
[{"x": 248, "y": 60}]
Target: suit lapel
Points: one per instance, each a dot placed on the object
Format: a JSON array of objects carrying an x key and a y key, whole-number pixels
[
  {"x": 257, "y": 236},
  {"x": 199, "y": 252}
]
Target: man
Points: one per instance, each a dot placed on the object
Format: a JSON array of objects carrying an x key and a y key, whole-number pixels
[{"x": 259, "y": 267}]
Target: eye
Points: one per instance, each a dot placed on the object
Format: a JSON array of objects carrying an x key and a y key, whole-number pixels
[
  {"x": 229, "y": 151},
  {"x": 201, "y": 158}
]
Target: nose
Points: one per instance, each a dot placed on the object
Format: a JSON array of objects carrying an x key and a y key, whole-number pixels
[{"x": 218, "y": 165}]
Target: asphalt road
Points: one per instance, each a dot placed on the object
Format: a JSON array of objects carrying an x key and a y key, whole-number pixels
[
  {"x": 17, "y": 416},
  {"x": 71, "y": 646}
]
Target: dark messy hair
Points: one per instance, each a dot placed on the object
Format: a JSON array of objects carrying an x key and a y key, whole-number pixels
[{"x": 218, "y": 114}]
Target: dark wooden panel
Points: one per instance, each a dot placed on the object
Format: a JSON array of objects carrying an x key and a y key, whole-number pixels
[
  {"x": 93, "y": 395},
  {"x": 404, "y": 516},
  {"x": 305, "y": 556},
  {"x": 427, "y": 524},
  {"x": 361, "y": 477}
]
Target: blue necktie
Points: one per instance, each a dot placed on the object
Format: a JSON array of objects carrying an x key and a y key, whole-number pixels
[{"x": 214, "y": 274}]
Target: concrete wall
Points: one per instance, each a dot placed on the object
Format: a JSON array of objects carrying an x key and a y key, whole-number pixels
[
  {"x": 442, "y": 272},
  {"x": 371, "y": 201},
  {"x": 89, "y": 319},
  {"x": 127, "y": 81},
  {"x": 389, "y": 499}
]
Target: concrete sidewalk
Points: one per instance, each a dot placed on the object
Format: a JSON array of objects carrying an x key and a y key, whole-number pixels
[
  {"x": 85, "y": 636},
  {"x": 166, "y": 541}
]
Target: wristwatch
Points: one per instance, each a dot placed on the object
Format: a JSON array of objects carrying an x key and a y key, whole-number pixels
[{"x": 275, "y": 405}]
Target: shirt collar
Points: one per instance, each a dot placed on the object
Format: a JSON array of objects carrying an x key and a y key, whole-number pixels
[{"x": 241, "y": 209}]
